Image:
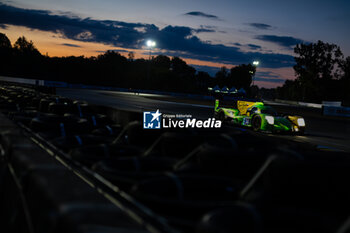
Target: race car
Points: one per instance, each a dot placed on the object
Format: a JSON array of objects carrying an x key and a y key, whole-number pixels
[{"x": 259, "y": 117}]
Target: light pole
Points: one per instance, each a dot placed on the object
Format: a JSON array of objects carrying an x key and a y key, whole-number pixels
[
  {"x": 150, "y": 44},
  {"x": 255, "y": 63}
]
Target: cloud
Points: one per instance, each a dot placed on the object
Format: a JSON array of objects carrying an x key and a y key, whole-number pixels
[
  {"x": 73, "y": 27},
  {"x": 249, "y": 46},
  {"x": 209, "y": 69},
  {"x": 208, "y": 26},
  {"x": 285, "y": 41},
  {"x": 271, "y": 80},
  {"x": 204, "y": 29},
  {"x": 237, "y": 44},
  {"x": 268, "y": 76},
  {"x": 114, "y": 50},
  {"x": 261, "y": 26},
  {"x": 254, "y": 46},
  {"x": 173, "y": 40},
  {"x": 71, "y": 45},
  {"x": 200, "y": 30},
  {"x": 201, "y": 14}
]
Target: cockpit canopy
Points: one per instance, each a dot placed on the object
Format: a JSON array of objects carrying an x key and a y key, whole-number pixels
[{"x": 262, "y": 109}]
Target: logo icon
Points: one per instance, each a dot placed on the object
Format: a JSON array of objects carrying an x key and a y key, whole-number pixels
[{"x": 151, "y": 120}]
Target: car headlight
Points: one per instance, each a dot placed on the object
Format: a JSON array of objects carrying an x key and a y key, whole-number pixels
[
  {"x": 301, "y": 122},
  {"x": 270, "y": 119}
]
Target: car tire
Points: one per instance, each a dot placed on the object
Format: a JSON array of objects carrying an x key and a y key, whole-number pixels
[
  {"x": 256, "y": 123},
  {"x": 222, "y": 116}
]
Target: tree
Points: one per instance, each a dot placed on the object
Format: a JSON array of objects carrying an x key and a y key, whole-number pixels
[
  {"x": 112, "y": 67},
  {"x": 180, "y": 67},
  {"x": 241, "y": 76},
  {"x": 316, "y": 65},
  {"x": 345, "y": 67},
  {"x": 221, "y": 76},
  {"x": 345, "y": 81},
  {"x": 25, "y": 47},
  {"x": 317, "y": 61},
  {"x": 238, "y": 77},
  {"x": 108, "y": 69},
  {"x": 5, "y": 43},
  {"x": 290, "y": 90},
  {"x": 131, "y": 56},
  {"x": 203, "y": 80},
  {"x": 5, "y": 54},
  {"x": 161, "y": 72},
  {"x": 162, "y": 61}
]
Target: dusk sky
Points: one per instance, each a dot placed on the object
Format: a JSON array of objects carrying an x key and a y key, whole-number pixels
[{"x": 207, "y": 34}]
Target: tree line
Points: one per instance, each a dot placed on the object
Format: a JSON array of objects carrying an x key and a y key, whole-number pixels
[
  {"x": 322, "y": 73},
  {"x": 22, "y": 59}
]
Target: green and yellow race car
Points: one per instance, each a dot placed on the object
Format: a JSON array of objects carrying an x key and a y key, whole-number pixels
[{"x": 259, "y": 117}]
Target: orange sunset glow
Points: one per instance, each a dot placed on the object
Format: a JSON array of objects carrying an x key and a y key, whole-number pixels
[{"x": 55, "y": 45}]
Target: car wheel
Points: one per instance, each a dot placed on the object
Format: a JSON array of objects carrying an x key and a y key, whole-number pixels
[
  {"x": 222, "y": 116},
  {"x": 256, "y": 123}
]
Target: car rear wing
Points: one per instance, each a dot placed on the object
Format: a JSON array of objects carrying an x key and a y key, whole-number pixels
[{"x": 241, "y": 105}]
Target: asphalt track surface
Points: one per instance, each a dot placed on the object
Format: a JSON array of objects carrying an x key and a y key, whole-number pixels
[{"x": 324, "y": 132}]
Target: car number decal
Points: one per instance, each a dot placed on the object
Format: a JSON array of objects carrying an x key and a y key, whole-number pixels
[{"x": 246, "y": 121}]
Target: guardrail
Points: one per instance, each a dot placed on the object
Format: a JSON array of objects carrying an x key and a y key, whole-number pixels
[
  {"x": 286, "y": 102},
  {"x": 23, "y": 80},
  {"x": 332, "y": 103},
  {"x": 311, "y": 105},
  {"x": 299, "y": 103},
  {"x": 332, "y": 108},
  {"x": 59, "y": 84},
  {"x": 329, "y": 108},
  {"x": 336, "y": 111}
]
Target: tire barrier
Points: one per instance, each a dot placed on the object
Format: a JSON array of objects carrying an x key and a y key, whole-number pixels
[
  {"x": 39, "y": 194},
  {"x": 67, "y": 166}
]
